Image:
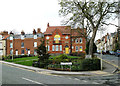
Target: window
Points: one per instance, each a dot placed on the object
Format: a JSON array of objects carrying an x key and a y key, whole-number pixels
[
  {"x": 80, "y": 40},
  {"x": 0, "y": 37},
  {"x": 56, "y": 47},
  {"x": 56, "y": 38},
  {"x": 47, "y": 37},
  {"x": 22, "y": 51},
  {"x": 76, "y": 48},
  {"x": 22, "y": 44},
  {"x": 35, "y": 52},
  {"x": 0, "y": 44},
  {"x": 66, "y": 37},
  {"x": 35, "y": 44},
  {"x": 1, "y": 52},
  {"x": 72, "y": 47},
  {"x": 48, "y": 48},
  {"x": 76, "y": 40},
  {"x": 35, "y": 36},
  {"x": 22, "y": 37},
  {"x": 60, "y": 47},
  {"x": 80, "y": 48},
  {"x": 11, "y": 45},
  {"x": 11, "y": 52},
  {"x": 11, "y": 37},
  {"x": 53, "y": 48}
]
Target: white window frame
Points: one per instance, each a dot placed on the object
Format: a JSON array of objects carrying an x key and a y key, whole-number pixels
[
  {"x": 48, "y": 48},
  {"x": 35, "y": 44},
  {"x": 11, "y": 51},
  {"x": 22, "y": 37},
  {"x": 81, "y": 48},
  {"x": 1, "y": 52},
  {"x": 11, "y": 37},
  {"x": 56, "y": 47},
  {"x": 81, "y": 40},
  {"x": 0, "y": 37},
  {"x": 53, "y": 48},
  {"x": 11, "y": 45},
  {"x": 60, "y": 47},
  {"x": 21, "y": 45},
  {"x": 76, "y": 40},
  {"x": 76, "y": 47},
  {"x": 1, "y": 45}
]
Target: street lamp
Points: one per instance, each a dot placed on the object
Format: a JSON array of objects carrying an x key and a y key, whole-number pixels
[{"x": 101, "y": 49}]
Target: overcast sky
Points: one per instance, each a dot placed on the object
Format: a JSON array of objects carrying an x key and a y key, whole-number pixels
[{"x": 25, "y": 15}]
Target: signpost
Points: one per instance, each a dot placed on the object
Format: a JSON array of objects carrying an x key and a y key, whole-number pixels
[{"x": 66, "y": 63}]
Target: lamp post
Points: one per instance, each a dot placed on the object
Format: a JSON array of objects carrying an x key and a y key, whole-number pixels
[{"x": 101, "y": 49}]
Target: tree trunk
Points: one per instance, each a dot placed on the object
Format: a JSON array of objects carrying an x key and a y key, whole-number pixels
[{"x": 91, "y": 42}]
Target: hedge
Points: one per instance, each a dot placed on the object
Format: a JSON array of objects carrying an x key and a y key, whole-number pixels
[{"x": 83, "y": 65}]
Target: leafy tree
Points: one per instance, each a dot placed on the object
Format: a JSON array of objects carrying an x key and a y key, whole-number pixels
[
  {"x": 94, "y": 13},
  {"x": 42, "y": 55}
]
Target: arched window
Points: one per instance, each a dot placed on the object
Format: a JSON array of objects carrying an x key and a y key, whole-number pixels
[{"x": 57, "y": 38}]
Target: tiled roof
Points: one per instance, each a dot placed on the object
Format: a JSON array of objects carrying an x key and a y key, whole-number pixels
[
  {"x": 63, "y": 29},
  {"x": 5, "y": 37},
  {"x": 78, "y": 32}
]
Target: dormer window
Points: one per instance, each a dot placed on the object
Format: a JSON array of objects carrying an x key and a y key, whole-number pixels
[
  {"x": 76, "y": 40},
  {"x": 22, "y": 37},
  {"x": 11, "y": 37},
  {"x": 0, "y": 37},
  {"x": 35, "y": 36},
  {"x": 47, "y": 37}
]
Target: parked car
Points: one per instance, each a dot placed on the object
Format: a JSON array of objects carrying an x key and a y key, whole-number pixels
[
  {"x": 98, "y": 51},
  {"x": 117, "y": 53},
  {"x": 111, "y": 52},
  {"x": 103, "y": 52}
]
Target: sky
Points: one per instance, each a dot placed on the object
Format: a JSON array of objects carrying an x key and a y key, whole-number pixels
[{"x": 18, "y": 15}]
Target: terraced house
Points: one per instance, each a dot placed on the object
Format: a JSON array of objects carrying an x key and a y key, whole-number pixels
[
  {"x": 21, "y": 44},
  {"x": 63, "y": 39},
  {"x": 3, "y": 36}
]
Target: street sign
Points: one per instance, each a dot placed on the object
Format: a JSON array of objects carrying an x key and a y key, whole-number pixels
[{"x": 66, "y": 63}]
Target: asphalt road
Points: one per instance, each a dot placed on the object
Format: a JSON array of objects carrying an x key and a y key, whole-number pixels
[
  {"x": 13, "y": 75},
  {"x": 111, "y": 58}
]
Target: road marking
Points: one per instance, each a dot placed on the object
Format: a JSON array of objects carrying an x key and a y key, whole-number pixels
[
  {"x": 84, "y": 81},
  {"x": 95, "y": 83},
  {"x": 31, "y": 80},
  {"x": 76, "y": 79}
]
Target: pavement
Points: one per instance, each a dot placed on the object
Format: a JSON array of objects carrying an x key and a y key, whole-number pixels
[{"x": 46, "y": 71}]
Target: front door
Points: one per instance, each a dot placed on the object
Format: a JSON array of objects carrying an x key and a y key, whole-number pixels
[
  {"x": 28, "y": 52},
  {"x": 16, "y": 52},
  {"x": 67, "y": 50}
]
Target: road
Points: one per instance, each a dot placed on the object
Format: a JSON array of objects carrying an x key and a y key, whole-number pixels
[
  {"x": 110, "y": 58},
  {"x": 13, "y": 75}
]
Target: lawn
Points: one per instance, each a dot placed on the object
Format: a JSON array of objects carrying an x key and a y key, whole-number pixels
[
  {"x": 23, "y": 59},
  {"x": 29, "y": 60}
]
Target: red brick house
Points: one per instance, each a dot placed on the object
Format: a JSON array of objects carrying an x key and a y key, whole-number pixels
[
  {"x": 23, "y": 44},
  {"x": 60, "y": 39}
]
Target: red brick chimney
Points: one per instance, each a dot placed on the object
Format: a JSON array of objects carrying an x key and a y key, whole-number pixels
[
  {"x": 11, "y": 32},
  {"x": 39, "y": 30},
  {"x": 22, "y": 32},
  {"x": 34, "y": 31},
  {"x": 48, "y": 25}
]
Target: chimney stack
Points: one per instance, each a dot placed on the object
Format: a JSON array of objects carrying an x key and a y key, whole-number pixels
[
  {"x": 39, "y": 30},
  {"x": 11, "y": 32},
  {"x": 22, "y": 32},
  {"x": 34, "y": 31},
  {"x": 48, "y": 25}
]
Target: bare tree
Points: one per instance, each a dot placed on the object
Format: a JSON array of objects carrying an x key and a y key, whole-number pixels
[{"x": 94, "y": 13}]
